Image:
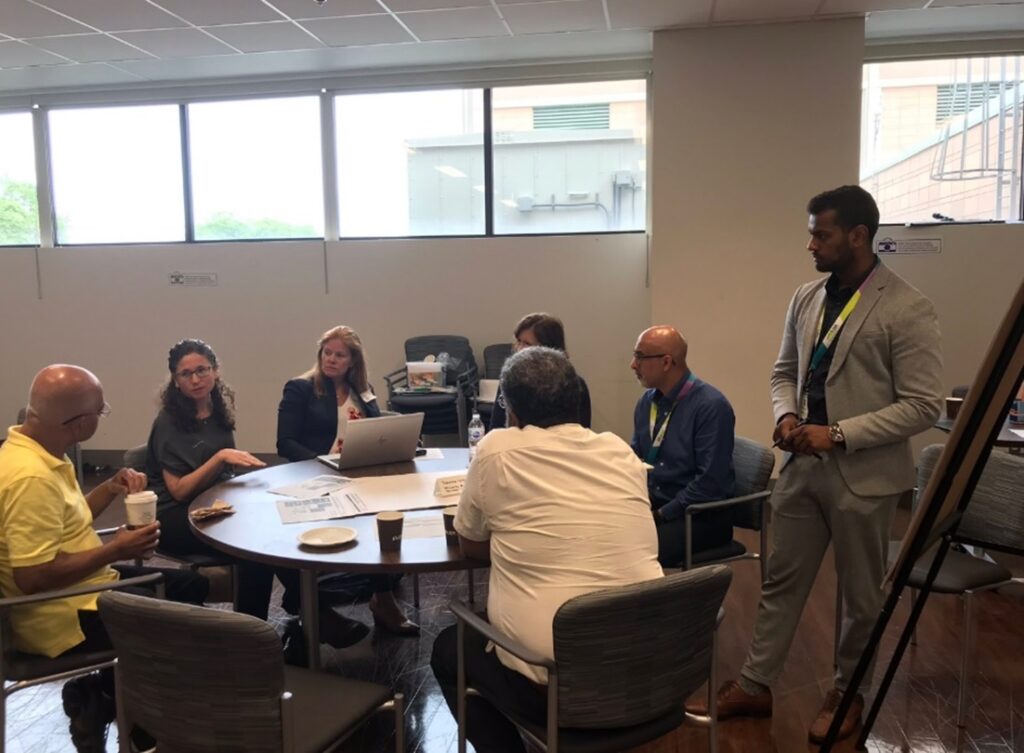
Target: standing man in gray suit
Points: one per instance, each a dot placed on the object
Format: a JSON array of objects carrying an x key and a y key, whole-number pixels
[{"x": 858, "y": 374}]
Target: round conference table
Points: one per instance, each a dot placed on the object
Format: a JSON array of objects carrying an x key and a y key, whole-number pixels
[{"x": 255, "y": 531}]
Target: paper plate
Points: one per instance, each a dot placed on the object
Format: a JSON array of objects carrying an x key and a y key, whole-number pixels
[{"x": 328, "y": 536}]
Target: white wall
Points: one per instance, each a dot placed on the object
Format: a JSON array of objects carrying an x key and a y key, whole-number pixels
[
  {"x": 749, "y": 122},
  {"x": 112, "y": 310}
]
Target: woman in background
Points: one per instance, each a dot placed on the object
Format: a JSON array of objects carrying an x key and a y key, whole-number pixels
[
  {"x": 314, "y": 413},
  {"x": 539, "y": 329}
]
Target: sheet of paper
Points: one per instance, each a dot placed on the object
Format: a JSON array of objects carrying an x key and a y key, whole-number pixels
[
  {"x": 310, "y": 509},
  {"x": 318, "y": 486},
  {"x": 422, "y": 528},
  {"x": 433, "y": 453},
  {"x": 1018, "y": 432}
]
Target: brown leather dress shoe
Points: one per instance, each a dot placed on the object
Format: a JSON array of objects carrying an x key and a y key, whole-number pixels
[
  {"x": 734, "y": 701},
  {"x": 819, "y": 730}
]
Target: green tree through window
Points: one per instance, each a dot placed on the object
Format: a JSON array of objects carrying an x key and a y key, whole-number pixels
[
  {"x": 19, "y": 213},
  {"x": 224, "y": 226}
]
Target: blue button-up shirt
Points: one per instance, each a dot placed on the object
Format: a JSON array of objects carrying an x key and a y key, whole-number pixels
[{"x": 694, "y": 463}]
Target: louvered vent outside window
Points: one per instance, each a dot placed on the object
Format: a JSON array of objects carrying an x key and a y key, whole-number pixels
[
  {"x": 571, "y": 117},
  {"x": 958, "y": 99}
]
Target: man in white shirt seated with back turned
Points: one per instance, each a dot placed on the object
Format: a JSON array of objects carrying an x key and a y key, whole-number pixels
[{"x": 559, "y": 511}]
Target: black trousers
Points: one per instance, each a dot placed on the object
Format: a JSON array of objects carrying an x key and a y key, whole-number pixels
[
  {"x": 486, "y": 727},
  {"x": 255, "y": 581},
  {"x": 710, "y": 530}
]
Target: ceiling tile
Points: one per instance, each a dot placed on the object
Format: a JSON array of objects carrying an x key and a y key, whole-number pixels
[
  {"x": 19, "y": 55},
  {"x": 398, "y": 6},
  {"x": 271, "y": 37},
  {"x": 331, "y": 8},
  {"x": 176, "y": 43},
  {"x": 209, "y": 12},
  {"x": 763, "y": 10},
  {"x": 465, "y": 23},
  {"x": 540, "y": 18},
  {"x": 657, "y": 14},
  {"x": 116, "y": 15},
  {"x": 358, "y": 30},
  {"x": 21, "y": 19},
  {"x": 89, "y": 48}
]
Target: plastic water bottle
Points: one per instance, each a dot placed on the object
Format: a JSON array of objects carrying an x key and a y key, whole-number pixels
[{"x": 476, "y": 433}]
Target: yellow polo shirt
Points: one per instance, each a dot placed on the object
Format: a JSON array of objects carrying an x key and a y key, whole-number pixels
[{"x": 43, "y": 513}]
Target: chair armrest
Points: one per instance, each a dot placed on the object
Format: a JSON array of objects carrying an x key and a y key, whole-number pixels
[
  {"x": 468, "y": 380},
  {"x": 491, "y": 633},
  {"x": 698, "y": 507},
  {"x": 66, "y": 593},
  {"x": 395, "y": 378}
]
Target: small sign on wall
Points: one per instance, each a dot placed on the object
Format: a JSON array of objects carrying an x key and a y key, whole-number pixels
[
  {"x": 908, "y": 246},
  {"x": 193, "y": 279}
]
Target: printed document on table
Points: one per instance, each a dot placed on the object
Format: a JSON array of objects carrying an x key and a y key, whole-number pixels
[
  {"x": 314, "y": 508},
  {"x": 318, "y": 486},
  {"x": 363, "y": 496}
]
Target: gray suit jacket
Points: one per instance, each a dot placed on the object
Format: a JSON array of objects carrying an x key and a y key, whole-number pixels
[{"x": 884, "y": 384}]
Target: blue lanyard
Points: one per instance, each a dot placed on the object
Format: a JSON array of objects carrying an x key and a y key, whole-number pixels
[{"x": 657, "y": 439}]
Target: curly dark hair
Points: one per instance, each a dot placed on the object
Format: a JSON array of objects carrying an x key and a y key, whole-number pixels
[{"x": 181, "y": 408}]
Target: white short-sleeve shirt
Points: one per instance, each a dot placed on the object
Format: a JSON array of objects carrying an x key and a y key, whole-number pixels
[{"x": 567, "y": 512}]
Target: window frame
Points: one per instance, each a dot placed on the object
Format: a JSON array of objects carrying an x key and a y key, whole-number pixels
[{"x": 183, "y": 96}]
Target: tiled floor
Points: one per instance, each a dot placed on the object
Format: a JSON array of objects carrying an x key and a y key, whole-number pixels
[{"x": 918, "y": 716}]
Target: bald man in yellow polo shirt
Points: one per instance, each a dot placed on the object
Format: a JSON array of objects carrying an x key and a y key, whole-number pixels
[{"x": 47, "y": 541}]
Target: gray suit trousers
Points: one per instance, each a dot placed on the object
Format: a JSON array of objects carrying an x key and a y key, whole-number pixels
[{"x": 811, "y": 506}]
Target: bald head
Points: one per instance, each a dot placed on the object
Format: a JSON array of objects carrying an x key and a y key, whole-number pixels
[
  {"x": 61, "y": 392},
  {"x": 659, "y": 357},
  {"x": 667, "y": 340}
]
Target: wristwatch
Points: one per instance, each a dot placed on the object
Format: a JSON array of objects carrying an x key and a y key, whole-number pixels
[{"x": 835, "y": 433}]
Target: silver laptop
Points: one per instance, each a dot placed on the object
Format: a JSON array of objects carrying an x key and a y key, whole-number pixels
[{"x": 375, "y": 441}]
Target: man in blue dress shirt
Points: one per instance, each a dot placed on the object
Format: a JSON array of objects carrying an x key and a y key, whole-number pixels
[{"x": 684, "y": 428}]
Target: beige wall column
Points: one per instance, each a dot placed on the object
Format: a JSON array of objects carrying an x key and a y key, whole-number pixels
[{"x": 748, "y": 124}]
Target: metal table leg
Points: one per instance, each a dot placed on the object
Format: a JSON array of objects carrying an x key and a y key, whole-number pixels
[{"x": 310, "y": 616}]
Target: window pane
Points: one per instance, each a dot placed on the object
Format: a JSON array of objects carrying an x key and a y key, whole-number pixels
[
  {"x": 117, "y": 174},
  {"x": 256, "y": 169},
  {"x": 19, "y": 212},
  {"x": 570, "y": 158},
  {"x": 943, "y": 137},
  {"x": 410, "y": 163}
]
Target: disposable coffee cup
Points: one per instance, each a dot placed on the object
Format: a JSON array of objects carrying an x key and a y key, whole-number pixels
[
  {"x": 450, "y": 533},
  {"x": 953, "y": 405},
  {"x": 140, "y": 509},
  {"x": 389, "y": 530}
]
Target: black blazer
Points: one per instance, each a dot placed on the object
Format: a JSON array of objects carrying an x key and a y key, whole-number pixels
[
  {"x": 306, "y": 424},
  {"x": 498, "y": 417}
]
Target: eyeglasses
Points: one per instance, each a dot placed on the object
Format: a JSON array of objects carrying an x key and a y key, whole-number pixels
[
  {"x": 202, "y": 372},
  {"x": 638, "y": 356},
  {"x": 104, "y": 411}
]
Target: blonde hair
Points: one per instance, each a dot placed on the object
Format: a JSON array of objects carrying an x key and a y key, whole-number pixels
[{"x": 356, "y": 375}]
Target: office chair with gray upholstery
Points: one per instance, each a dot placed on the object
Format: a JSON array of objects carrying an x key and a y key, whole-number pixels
[
  {"x": 753, "y": 463},
  {"x": 19, "y": 670},
  {"x": 626, "y": 659},
  {"x": 994, "y": 518},
  {"x": 203, "y": 680}
]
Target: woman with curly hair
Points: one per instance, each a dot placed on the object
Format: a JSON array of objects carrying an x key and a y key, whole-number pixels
[
  {"x": 191, "y": 448},
  {"x": 192, "y": 442}
]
